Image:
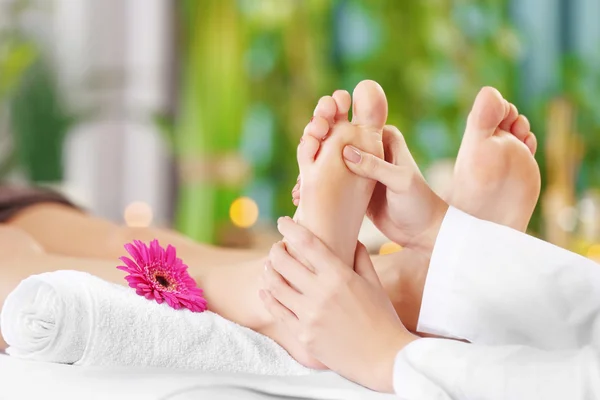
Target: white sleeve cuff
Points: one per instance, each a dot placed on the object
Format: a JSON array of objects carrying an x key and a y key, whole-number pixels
[
  {"x": 409, "y": 381},
  {"x": 440, "y": 299}
]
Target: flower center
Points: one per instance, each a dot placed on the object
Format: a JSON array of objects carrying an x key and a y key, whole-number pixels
[{"x": 162, "y": 281}]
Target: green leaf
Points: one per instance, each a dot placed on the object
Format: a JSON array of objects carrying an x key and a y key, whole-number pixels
[{"x": 18, "y": 57}]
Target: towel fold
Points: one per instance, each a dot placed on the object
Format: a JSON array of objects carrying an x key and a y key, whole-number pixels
[{"x": 73, "y": 317}]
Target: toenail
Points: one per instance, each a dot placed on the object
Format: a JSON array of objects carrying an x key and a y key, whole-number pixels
[{"x": 352, "y": 154}]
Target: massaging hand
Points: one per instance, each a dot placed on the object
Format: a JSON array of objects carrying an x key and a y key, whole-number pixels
[
  {"x": 343, "y": 318},
  {"x": 403, "y": 205}
]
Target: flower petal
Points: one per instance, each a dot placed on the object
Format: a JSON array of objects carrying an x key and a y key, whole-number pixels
[
  {"x": 130, "y": 263},
  {"x": 144, "y": 252},
  {"x": 137, "y": 280},
  {"x": 133, "y": 252},
  {"x": 154, "y": 250},
  {"x": 171, "y": 255},
  {"x": 126, "y": 269},
  {"x": 169, "y": 301}
]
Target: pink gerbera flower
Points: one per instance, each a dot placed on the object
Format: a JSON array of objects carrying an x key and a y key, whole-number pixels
[{"x": 158, "y": 274}]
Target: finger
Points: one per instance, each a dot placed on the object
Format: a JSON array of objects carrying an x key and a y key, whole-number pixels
[
  {"x": 364, "y": 266},
  {"x": 395, "y": 149},
  {"x": 313, "y": 250},
  {"x": 281, "y": 290},
  {"x": 279, "y": 311},
  {"x": 394, "y": 177},
  {"x": 295, "y": 273}
]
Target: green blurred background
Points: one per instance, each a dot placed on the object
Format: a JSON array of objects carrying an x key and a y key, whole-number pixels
[{"x": 247, "y": 75}]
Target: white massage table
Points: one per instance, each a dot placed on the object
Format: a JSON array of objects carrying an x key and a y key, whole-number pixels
[{"x": 24, "y": 380}]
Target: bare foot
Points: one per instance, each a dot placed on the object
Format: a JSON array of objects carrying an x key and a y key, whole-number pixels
[
  {"x": 334, "y": 200},
  {"x": 496, "y": 177}
]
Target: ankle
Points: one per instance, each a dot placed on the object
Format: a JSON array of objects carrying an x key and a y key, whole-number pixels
[{"x": 403, "y": 276}]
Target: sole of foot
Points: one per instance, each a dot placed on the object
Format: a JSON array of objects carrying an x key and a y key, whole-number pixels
[
  {"x": 496, "y": 176},
  {"x": 334, "y": 200}
]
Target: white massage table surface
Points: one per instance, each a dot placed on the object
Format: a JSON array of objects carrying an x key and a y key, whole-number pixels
[{"x": 23, "y": 380}]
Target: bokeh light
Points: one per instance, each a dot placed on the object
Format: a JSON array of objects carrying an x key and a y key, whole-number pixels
[
  {"x": 138, "y": 214},
  {"x": 243, "y": 212},
  {"x": 594, "y": 252},
  {"x": 389, "y": 248}
]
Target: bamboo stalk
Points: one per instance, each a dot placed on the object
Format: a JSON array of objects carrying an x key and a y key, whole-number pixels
[{"x": 211, "y": 112}]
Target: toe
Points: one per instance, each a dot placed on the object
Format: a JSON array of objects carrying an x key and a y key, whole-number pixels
[
  {"x": 510, "y": 119},
  {"x": 307, "y": 150},
  {"x": 296, "y": 192},
  {"x": 488, "y": 110},
  {"x": 370, "y": 106},
  {"x": 531, "y": 142},
  {"x": 506, "y": 109},
  {"x": 318, "y": 127},
  {"x": 520, "y": 128},
  {"x": 343, "y": 101},
  {"x": 326, "y": 109}
]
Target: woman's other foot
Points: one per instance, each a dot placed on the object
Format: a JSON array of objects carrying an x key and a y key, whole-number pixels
[{"x": 496, "y": 176}]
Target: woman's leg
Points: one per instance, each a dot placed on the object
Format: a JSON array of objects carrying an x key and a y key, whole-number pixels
[
  {"x": 230, "y": 290},
  {"x": 63, "y": 230}
]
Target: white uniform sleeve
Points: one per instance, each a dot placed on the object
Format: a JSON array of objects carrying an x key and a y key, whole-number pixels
[
  {"x": 490, "y": 284},
  {"x": 449, "y": 370}
]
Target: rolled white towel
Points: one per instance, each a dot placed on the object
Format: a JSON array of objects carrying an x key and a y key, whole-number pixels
[{"x": 76, "y": 318}]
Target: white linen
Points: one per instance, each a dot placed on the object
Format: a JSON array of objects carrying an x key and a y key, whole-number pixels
[
  {"x": 531, "y": 310},
  {"x": 28, "y": 380},
  {"x": 75, "y": 318}
]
